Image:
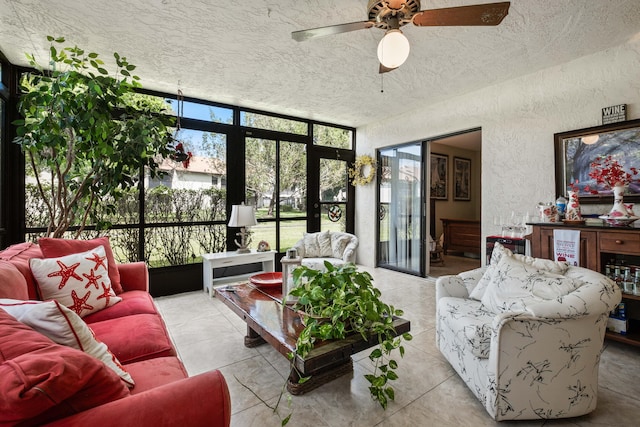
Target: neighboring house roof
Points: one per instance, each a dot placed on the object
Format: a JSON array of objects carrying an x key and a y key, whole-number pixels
[{"x": 197, "y": 164}]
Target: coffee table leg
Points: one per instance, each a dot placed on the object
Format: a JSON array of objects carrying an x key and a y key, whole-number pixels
[
  {"x": 319, "y": 378},
  {"x": 252, "y": 339}
]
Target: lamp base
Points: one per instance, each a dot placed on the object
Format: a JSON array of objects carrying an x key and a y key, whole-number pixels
[{"x": 245, "y": 240}]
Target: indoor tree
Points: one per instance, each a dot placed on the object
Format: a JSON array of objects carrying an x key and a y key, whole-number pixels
[{"x": 86, "y": 134}]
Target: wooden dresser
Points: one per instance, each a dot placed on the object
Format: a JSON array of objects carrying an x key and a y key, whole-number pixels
[
  {"x": 599, "y": 246},
  {"x": 461, "y": 235}
]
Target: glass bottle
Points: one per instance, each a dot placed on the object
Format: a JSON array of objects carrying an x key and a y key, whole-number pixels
[
  {"x": 617, "y": 276},
  {"x": 561, "y": 204},
  {"x": 627, "y": 280},
  {"x": 636, "y": 282},
  {"x": 608, "y": 271}
]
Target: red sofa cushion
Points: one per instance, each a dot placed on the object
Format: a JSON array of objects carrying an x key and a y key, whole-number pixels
[
  {"x": 42, "y": 381},
  {"x": 54, "y": 248},
  {"x": 133, "y": 302},
  {"x": 152, "y": 373},
  {"x": 64, "y": 327},
  {"x": 202, "y": 400},
  {"x": 19, "y": 255},
  {"x": 135, "y": 338},
  {"x": 13, "y": 285}
]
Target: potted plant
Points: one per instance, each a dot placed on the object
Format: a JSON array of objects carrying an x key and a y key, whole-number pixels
[
  {"x": 341, "y": 301},
  {"x": 334, "y": 304},
  {"x": 87, "y": 134}
]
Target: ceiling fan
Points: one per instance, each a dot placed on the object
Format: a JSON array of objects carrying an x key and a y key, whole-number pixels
[{"x": 390, "y": 15}]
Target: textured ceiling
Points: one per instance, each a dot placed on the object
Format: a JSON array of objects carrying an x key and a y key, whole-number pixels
[{"x": 241, "y": 52}]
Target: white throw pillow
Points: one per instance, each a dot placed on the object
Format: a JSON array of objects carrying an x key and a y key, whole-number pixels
[
  {"x": 339, "y": 241},
  {"x": 324, "y": 241},
  {"x": 78, "y": 281},
  {"x": 480, "y": 288},
  {"x": 515, "y": 284},
  {"x": 499, "y": 252},
  {"x": 64, "y": 327},
  {"x": 311, "y": 247}
]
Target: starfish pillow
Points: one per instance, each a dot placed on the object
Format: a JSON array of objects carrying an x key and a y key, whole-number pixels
[{"x": 78, "y": 281}]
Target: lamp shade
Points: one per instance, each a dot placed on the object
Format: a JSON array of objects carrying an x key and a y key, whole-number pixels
[
  {"x": 393, "y": 49},
  {"x": 591, "y": 139},
  {"x": 242, "y": 216}
]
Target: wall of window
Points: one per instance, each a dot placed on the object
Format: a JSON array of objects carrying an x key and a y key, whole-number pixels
[{"x": 270, "y": 161}]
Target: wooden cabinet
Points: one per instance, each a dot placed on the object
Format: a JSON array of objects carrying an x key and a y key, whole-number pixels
[
  {"x": 542, "y": 246},
  {"x": 461, "y": 235},
  {"x": 599, "y": 246}
]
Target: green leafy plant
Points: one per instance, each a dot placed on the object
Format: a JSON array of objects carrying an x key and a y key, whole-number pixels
[
  {"x": 86, "y": 134},
  {"x": 342, "y": 301},
  {"x": 335, "y": 303}
]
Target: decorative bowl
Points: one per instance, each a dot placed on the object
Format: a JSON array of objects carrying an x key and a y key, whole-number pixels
[
  {"x": 267, "y": 279},
  {"x": 619, "y": 221}
]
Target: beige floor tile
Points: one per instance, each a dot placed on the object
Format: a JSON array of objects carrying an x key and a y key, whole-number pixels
[{"x": 208, "y": 335}]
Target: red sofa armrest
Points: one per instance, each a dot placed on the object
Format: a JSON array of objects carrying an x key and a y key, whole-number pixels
[
  {"x": 197, "y": 401},
  {"x": 134, "y": 276}
]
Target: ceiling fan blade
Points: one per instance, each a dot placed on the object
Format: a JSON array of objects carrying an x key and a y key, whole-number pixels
[
  {"x": 479, "y": 14},
  {"x": 330, "y": 30},
  {"x": 384, "y": 69}
]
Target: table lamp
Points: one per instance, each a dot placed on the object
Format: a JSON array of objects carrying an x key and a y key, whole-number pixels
[{"x": 242, "y": 216}]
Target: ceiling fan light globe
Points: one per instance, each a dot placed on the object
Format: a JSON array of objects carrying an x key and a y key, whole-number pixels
[{"x": 393, "y": 49}]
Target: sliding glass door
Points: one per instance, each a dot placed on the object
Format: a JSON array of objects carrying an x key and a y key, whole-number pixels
[{"x": 401, "y": 216}]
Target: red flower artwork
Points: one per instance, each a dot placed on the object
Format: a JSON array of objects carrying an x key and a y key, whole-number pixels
[{"x": 606, "y": 170}]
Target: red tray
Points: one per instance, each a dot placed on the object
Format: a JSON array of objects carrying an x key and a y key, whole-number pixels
[{"x": 267, "y": 279}]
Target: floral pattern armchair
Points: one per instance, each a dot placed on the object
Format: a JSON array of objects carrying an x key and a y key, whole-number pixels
[
  {"x": 532, "y": 353},
  {"x": 333, "y": 246}
]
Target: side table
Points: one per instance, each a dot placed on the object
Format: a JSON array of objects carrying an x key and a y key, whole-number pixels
[{"x": 228, "y": 259}]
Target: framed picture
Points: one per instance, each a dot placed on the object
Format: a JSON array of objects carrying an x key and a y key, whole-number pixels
[
  {"x": 461, "y": 179},
  {"x": 576, "y": 149},
  {"x": 439, "y": 173}
]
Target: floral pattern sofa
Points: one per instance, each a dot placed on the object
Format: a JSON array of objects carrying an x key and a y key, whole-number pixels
[{"x": 526, "y": 334}]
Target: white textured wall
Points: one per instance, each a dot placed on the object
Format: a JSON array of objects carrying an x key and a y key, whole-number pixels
[{"x": 518, "y": 119}]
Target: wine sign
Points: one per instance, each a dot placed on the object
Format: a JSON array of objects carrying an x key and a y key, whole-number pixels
[{"x": 614, "y": 114}]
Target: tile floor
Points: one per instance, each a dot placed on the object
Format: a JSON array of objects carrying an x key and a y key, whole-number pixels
[{"x": 429, "y": 393}]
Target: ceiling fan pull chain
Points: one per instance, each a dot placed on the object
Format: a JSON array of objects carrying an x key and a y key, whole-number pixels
[{"x": 381, "y": 83}]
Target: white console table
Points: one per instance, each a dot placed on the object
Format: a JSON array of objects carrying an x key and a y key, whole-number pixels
[{"x": 227, "y": 259}]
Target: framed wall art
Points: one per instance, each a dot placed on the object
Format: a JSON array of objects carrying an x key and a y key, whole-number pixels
[
  {"x": 461, "y": 179},
  {"x": 577, "y": 149},
  {"x": 439, "y": 173}
]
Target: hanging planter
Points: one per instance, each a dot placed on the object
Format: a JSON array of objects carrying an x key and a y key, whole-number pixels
[{"x": 180, "y": 155}]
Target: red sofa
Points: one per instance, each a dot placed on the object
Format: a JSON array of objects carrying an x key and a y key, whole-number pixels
[{"x": 135, "y": 333}]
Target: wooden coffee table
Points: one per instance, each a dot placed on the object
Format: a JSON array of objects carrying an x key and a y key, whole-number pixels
[{"x": 268, "y": 320}]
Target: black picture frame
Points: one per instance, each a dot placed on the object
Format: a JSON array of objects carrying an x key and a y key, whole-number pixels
[
  {"x": 439, "y": 176},
  {"x": 461, "y": 179},
  {"x": 574, "y": 154}
]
